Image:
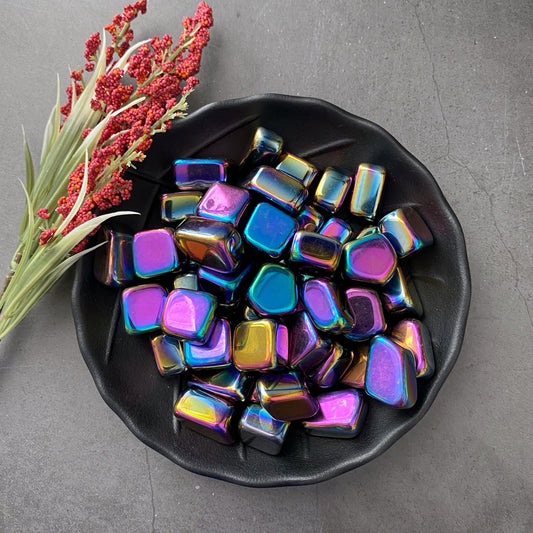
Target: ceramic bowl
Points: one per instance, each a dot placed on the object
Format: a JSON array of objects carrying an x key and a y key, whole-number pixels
[{"x": 123, "y": 366}]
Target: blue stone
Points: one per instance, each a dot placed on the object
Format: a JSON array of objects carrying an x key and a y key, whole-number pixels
[{"x": 273, "y": 291}]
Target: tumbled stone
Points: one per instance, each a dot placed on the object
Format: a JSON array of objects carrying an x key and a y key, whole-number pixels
[
  {"x": 113, "y": 261},
  {"x": 168, "y": 353},
  {"x": 315, "y": 251},
  {"x": 332, "y": 189},
  {"x": 329, "y": 371},
  {"x": 216, "y": 350},
  {"x": 297, "y": 168},
  {"x": 368, "y": 186},
  {"x": 365, "y": 308},
  {"x": 199, "y": 173},
  {"x": 224, "y": 202},
  {"x": 154, "y": 253},
  {"x": 142, "y": 307}
]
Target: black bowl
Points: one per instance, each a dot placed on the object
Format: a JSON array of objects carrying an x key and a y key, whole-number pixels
[{"x": 123, "y": 366}]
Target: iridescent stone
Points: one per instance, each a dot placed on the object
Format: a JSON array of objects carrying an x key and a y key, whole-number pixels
[
  {"x": 212, "y": 243},
  {"x": 178, "y": 205},
  {"x": 298, "y": 168},
  {"x": 273, "y": 292},
  {"x": 367, "y": 191},
  {"x": 189, "y": 314},
  {"x": 261, "y": 431},
  {"x": 269, "y": 229},
  {"x": 390, "y": 373},
  {"x": 207, "y": 414},
  {"x": 309, "y": 219},
  {"x": 371, "y": 259},
  {"x": 306, "y": 348},
  {"x": 323, "y": 305},
  {"x": 332, "y": 368},
  {"x": 224, "y": 202},
  {"x": 226, "y": 287},
  {"x": 286, "y": 397},
  {"x": 332, "y": 189},
  {"x": 250, "y": 313},
  {"x": 186, "y": 281},
  {"x": 142, "y": 307},
  {"x": 265, "y": 149},
  {"x": 229, "y": 383},
  {"x": 282, "y": 345},
  {"x": 337, "y": 229},
  {"x": 256, "y": 345},
  {"x": 113, "y": 261},
  {"x": 365, "y": 307},
  {"x": 341, "y": 414},
  {"x": 199, "y": 173},
  {"x": 215, "y": 352},
  {"x": 154, "y": 253},
  {"x": 369, "y": 230},
  {"x": 406, "y": 230},
  {"x": 168, "y": 354},
  {"x": 355, "y": 375},
  {"x": 399, "y": 295},
  {"x": 414, "y": 335},
  {"x": 315, "y": 251},
  {"x": 278, "y": 187}
]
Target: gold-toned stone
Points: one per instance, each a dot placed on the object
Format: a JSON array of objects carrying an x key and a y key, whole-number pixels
[
  {"x": 254, "y": 345},
  {"x": 355, "y": 375}
]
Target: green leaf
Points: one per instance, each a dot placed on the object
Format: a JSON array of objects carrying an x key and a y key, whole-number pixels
[{"x": 30, "y": 171}]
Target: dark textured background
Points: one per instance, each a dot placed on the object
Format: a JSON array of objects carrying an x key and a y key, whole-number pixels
[{"x": 453, "y": 83}]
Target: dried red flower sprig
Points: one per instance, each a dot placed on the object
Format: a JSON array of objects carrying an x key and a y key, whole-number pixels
[{"x": 123, "y": 95}]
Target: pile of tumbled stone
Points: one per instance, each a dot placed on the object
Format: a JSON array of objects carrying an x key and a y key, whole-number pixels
[{"x": 275, "y": 289}]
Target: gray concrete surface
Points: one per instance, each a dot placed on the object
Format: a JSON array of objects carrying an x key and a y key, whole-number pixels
[{"x": 452, "y": 80}]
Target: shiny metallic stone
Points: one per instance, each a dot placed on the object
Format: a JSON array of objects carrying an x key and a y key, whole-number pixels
[
  {"x": 341, "y": 414},
  {"x": 113, "y": 261},
  {"x": 323, "y": 305},
  {"x": 215, "y": 352},
  {"x": 297, "y": 168},
  {"x": 178, "y": 205},
  {"x": 212, "y": 243},
  {"x": 370, "y": 260},
  {"x": 286, "y": 397},
  {"x": 273, "y": 292},
  {"x": 264, "y": 150},
  {"x": 257, "y": 345},
  {"x": 399, "y": 295},
  {"x": 168, "y": 354},
  {"x": 229, "y": 383},
  {"x": 199, "y": 173},
  {"x": 154, "y": 253},
  {"x": 186, "y": 281},
  {"x": 269, "y": 229},
  {"x": 278, "y": 187},
  {"x": 309, "y": 219},
  {"x": 226, "y": 287},
  {"x": 367, "y": 191},
  {"x": 355, "y": 375},
  {"x": 189, "y": 314},
  {"x": 365, "y": 307},
  {"x": 369, "y": 230},
  {"x": 337, "y": 229},
  {"x": 332, "y": 189},
  {"x": 207, "y": 414},
  {"x": 142, "y": 307},
  {"x": 224, "y": 202},
  {"x": 306, "y": 348},
  {"x": 250, "y": 313},
  {"x": 315, "y": 251},
  {"x": 282, "y": 345},
  {"x": 333, "y": 367},
  {"x": 414, "y": 336},
  {"x": 406, "y": 231},
  {"x": 259, "y": 430},
  {"x": 390, "y": 373}
]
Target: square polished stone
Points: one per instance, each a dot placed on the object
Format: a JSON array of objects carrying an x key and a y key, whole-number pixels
[
  {"x": 142, "y": 307},
  {"x": 154, "y": 253},
  {"x": 224, "y": 202}
]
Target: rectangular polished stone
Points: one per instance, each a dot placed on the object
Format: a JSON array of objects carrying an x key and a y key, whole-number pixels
[
  {"x": 367, "y": 191},
  {"x": 113, "y": 261},
  {"x": 207, "y": 414},
  {"x": 177, "y": 205},
  {"x": 224, "y": 202},
  {"x": 226, "y": 287},
  {"x": 298, "y": 168},
  {"x": 199, "y": 173},
  {"x": 309, "y": 219},
  {"x": 229, "y": 383},
  {"x": 315, "y": 251},
  {"x": 337, "y": 229},
  {"x": 278, "y": 187},
  {"x": 399, "y": 295},
  {"x": 168, "y": 354},
  {"x": 265, "y": 148},
  {"x": 332, "y": 189}
]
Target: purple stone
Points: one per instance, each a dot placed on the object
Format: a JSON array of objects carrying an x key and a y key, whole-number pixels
[
  {"x": 371, "y": 259},
  {"x": 365, "y": 307},
  {"x": 142, "y": 307},
  {"x": 215, "y": 353},
  {"x": 154, "y": 253},
  {"x": 224, "y": 202},
  {"x": 333, "y": 367},
  {"x": 341, "y": 414},
  {"x": 189, "y": 314},
  {"x": 199, "y": 173},
  {"x": 390, "y": 373}
]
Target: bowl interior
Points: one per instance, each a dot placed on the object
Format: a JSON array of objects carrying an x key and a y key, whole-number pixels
[{"x": 122, "y": 365}]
